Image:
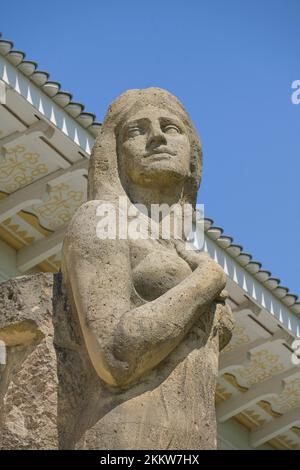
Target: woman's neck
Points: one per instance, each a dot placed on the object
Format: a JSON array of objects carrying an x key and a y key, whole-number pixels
[{"x": 156, "y": 195}]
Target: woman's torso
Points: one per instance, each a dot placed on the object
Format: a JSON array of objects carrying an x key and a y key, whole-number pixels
[{"x": 173, "y": 406}]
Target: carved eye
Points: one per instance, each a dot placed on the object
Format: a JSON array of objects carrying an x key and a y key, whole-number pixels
[
  {"x": 171, "y": 129},
  {"x": 134, "y": 131}
]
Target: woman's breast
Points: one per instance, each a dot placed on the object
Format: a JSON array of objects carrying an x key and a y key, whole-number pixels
[{"x": 158, "y": 272}]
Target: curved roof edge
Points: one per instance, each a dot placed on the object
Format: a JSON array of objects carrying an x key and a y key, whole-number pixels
[
  {"x": 51, "y": 88},
  {"x": 253, "y": 267}
]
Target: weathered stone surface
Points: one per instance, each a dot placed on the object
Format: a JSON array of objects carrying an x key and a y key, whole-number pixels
[
  {"x": 123, "y": 354},
  {"x": 28, "y": 381}
]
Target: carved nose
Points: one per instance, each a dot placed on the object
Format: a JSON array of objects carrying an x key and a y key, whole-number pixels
[{"x": 156, "y": 137}]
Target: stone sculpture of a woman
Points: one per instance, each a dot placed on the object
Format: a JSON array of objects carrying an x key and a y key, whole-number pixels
[{"x": 150, "y": 314}]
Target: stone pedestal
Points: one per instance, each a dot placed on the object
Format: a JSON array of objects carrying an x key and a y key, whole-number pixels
[
  {"x": 28, "y": 380},
  {"x": 51, "y": 397}
]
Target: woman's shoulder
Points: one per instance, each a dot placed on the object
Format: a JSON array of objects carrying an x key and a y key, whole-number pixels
[
  {"x": 88, "y": 220},
  {"x": 90, "y": 210},
  {"x": 94, "y": 207}
]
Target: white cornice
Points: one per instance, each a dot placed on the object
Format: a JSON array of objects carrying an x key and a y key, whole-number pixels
[
  {"x": 35, "y": 96},
  {"x": 253, "y": 288}
]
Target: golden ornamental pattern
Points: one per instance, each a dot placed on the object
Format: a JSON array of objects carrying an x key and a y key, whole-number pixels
[
  {"x": 263, "y": 365},
  {"x": 239, "y": 337},
  {"x": 285, "y": 441},
  {"x": 20, "y": 168},
  {"x": 296, "y": 430},
  {"x": 222, "y": 393},
  {"x": 60, "y": 206},
  {"x": 18, "y": 231},
  {"x": 290, "y": 397},
  {"x": 254, "y": 416}
]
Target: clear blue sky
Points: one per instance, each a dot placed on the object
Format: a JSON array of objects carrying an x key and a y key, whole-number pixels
[{"x": 230, "y": 62}]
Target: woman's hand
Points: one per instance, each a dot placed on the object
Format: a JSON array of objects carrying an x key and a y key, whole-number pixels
[
  {"x": 224, "y": 322},
  {"x": 223, "y": 296},
  {"x": 194, "y": 258}
]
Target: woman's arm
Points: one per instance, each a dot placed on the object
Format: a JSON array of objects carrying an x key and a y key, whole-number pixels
[
  {"x": 124, "y": 343},
  {"x": 223, "y": 316}
]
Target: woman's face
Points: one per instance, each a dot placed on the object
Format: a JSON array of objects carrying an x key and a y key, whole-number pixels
[{"x": 153, "y": 147}]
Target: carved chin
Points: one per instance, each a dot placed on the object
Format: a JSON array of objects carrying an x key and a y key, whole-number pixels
[{"x": 160, "y": 172}]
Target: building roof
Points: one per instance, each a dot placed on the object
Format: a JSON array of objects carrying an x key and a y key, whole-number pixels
[
  {"x": 254, "y": 267},
  {"x": 52, "y": 88}
]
